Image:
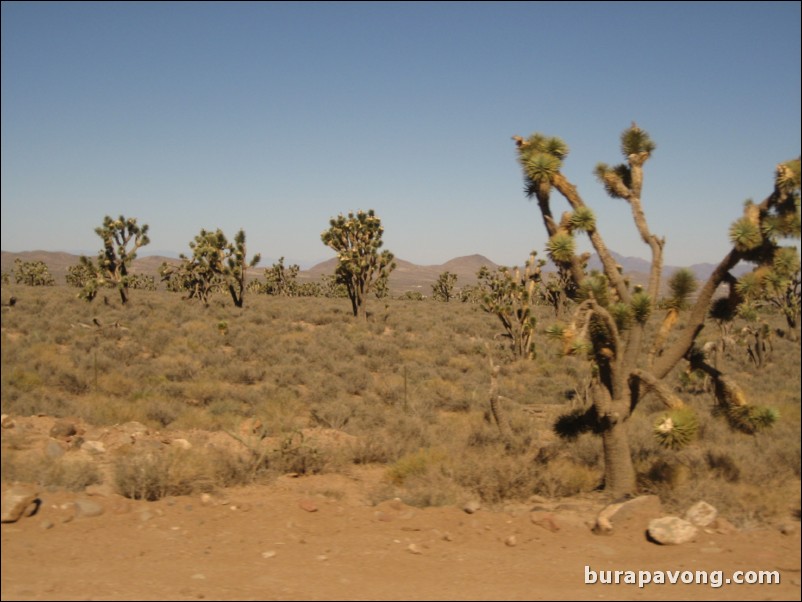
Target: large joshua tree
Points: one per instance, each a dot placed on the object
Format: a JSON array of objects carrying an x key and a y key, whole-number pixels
[
  {"x": 361, "y": 267},
  {"x": 215, "y": 264},
  {"x": 610, "y": 317},
  {"x": 122, "y": 237}
]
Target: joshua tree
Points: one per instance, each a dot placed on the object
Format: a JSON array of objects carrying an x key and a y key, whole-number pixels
[
  {"x": 512, "y": 296},
  {"x": 609, "y": 321},
  {"x": 280, "y": 280},
  {"x": 443, "y": 289},
  {"x": 32, "y": 273},
  {"x": 215, "y": 264},
  {"x": 357, "y": 240},
  {"x": 121, "y": 239},
  {"x": 201, "y": 274},
  {"x": 236, "y": 265}
]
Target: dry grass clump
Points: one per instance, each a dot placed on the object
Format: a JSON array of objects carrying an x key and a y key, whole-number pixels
[{"x": 69, "y": 471}]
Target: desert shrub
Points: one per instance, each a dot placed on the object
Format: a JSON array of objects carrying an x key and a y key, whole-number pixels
[{"x": 69, "y": 471}]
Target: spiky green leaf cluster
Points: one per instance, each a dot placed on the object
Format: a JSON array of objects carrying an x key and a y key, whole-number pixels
[
  {"x": 745, "y": 235},
  {"x": 750, "y": 285},
  {"x": 541, "y": 158},
  {"x": 677, "y": 428},
  {"x": 682, "y": 285},
  {"x": 561, "y": 247},
  {"x": 723, "y": 310},
  {"x": 555, "y": 331},
  {"x": 641, "y": 307},
  {"x": 751, "y": 418},
  {"x": 583, "y": 219},
  {"x": 622, "y": 314},
  {"x": 635, "y": 141},
  {"x": 596, "y": 286}
]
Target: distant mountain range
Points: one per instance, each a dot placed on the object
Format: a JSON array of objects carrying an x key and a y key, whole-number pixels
[{"x": 406, "y": 277}]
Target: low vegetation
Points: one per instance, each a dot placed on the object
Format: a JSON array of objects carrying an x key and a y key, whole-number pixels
[{"x": 409, "y": 389}]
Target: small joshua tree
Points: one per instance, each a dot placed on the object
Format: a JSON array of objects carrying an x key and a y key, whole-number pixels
[
  {"x": 281, "y": 280},
  {"x": 215, "y": 264},
  {"x": 236, "y": 266},
  {"x": 121, "y": 240},
  {"x": 32, "y": 273},
  {"x": 357, "y": 239},
  {"x": 443, "y": 289},
  {"x": 609, "y": 323},
  {"x": 512, "y": 295}
]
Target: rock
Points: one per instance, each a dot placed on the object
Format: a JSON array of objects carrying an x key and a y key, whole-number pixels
[
  {"x": 788, "y": 528},
  {"x": 546, "y": 520},
  {"x": 671, "y": 530},
  {"x": 88, "y": 508},
  {"x": 701, "y": 514},
  {"x": 134, "y": 428},
  {"x": 269, "y": 554},
  {"x": 46, "y": 524},
  {"x": 18, "y": 501},
  {"x": 307, "y": 505},
  {"x": 7, "y": 422},
  {"x": 181, "y": 443},
  {"x": 93, "y": 447},
  {"x": 414, "y": 549},
  {"x": 511, "y": 541},
  {"x": 722, "y": 526},
  {"x": 635, "y": 513},
  {"x": 471, "y": 506},
  {"x": 63, "y": 429}
]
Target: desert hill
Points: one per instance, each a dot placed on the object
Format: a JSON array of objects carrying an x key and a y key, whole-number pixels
[{"x": 406, "y": 277}]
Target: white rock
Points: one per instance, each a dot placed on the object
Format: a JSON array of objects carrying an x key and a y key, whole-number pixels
[
  {"x": 671, "y": 530},
  {"x": 701, "y": 514}
]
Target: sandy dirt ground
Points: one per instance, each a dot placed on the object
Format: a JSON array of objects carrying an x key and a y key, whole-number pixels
[{"x": 322, "y": 538}]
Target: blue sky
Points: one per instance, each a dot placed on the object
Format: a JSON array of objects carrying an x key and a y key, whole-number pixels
[{"x": 276, "y": 117}]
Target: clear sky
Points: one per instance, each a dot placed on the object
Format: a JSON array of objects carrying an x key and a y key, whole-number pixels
[{"x": 276, "y": 117}]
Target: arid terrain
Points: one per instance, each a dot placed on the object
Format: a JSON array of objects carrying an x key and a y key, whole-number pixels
[{"x": 321, "y": 537}]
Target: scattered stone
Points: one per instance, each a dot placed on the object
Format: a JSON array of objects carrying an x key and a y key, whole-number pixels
[
  {"x": 46, "y": 524},
  {"x": 447, "y": 536},
  {"x": 269, "y": 554},
  {"x": 18, "y": 501},
  {"x": 671, "y": 530},
  {"x": 471, "y": 506},
  {"x": 546, "y": 520},
  {"x": 134, "y": 428},
  {"x": 636, "y": 512},
  {"x": 511, "y": 541},
  {"x": 537, "y": 499},
  {"x": 181, "y": 443},
  {"x": 414, "y": 549},
  {"x": 322, "y": 557},
  {"x": 7, "y": 422},
  {"x": 788, "y": 528},
  {"x": 723, "y": 527},
  {"x": 93, "y": 447},
  {"x": 199, "y": 576},
  {"x": 88, "y": 508},
  {"x": 308, "y": 505},
  {"x": 63, "y": 429},
  {"x": 701, "y": 514}
]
